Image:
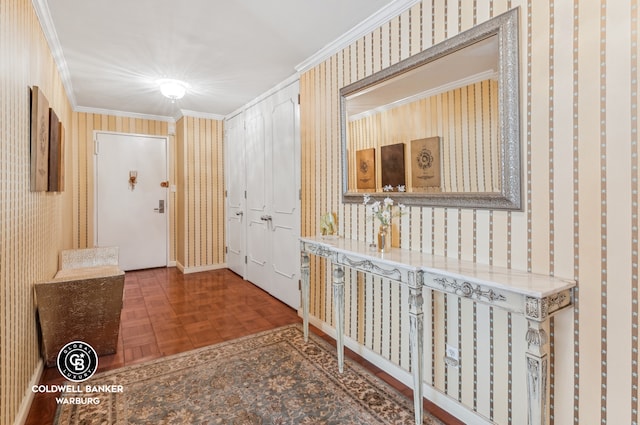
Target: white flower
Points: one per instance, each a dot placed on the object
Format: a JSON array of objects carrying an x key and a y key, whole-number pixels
[
  {"x": 401, "y": 188},
  {"x": 387, "y": 188},
  {"x": 383, "y": 210}
]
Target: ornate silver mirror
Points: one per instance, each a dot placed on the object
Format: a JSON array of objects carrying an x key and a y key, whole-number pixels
[{"x": 441, "y": 128}]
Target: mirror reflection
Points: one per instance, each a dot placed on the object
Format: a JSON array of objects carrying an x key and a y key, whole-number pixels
[{"x": 441, "y": 128}]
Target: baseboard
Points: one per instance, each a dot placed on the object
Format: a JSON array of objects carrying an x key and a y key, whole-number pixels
[
  {"x": 23, "y": 412},
  {"x": 443, "y": 401},
  {"x": 187, "y": 270}
]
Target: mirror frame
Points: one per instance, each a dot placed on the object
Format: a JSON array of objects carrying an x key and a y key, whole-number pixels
[{"x": 506, "y": 28}]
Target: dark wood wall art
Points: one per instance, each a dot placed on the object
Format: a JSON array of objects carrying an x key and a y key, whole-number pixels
[
  {"x": 47, "y": 145},
  {"x": 392, "y": 164},
  {"x": 425, "y": 163},
  {"x": 366, "y": 163},
  {"x": 39, "y": 141},
  {"x": 61, "y": 162},
  {"x": 54, "y": 151}
]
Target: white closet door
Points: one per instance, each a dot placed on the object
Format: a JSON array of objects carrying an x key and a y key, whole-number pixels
[
  {"x": 272, "y": 215},
  {"x": 285, "y": 205},
  {"x": 235, "y": 166},
  {"x": 258, "y": 195}
]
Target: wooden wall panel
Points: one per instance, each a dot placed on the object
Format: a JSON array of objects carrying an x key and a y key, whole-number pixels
[{"x": 579, "y": 161}]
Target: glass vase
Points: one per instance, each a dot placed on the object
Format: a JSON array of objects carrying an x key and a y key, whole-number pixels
[{"x": 384, "y": 238}]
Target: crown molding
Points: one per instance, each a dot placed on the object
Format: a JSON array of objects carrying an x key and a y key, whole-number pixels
[
  {"x": 181, "y": 113},
  {"x": 373, "y": 22},
  {"x": 196, "y": 114},
  {"x": 44, "y": 16},
  {"x": 124, "y": 114}
]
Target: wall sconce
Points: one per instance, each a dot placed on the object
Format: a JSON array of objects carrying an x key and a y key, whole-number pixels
[{"x": 133, "y": 179}]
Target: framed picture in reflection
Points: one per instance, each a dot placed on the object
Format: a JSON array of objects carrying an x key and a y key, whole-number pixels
[
  {"x": 366, "y": 168},
  {"x": 392, "y": 164},
  {"x": 425, "y": 163}
]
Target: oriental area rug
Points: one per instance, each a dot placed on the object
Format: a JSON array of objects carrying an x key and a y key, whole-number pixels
[{"x": 272, "y": 377}]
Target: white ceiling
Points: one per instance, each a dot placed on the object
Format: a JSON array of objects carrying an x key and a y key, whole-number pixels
[{"x": 111, "y": 53}]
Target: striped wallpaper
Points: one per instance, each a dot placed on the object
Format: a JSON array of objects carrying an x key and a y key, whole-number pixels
[
  {"x": 34, "y": 226},
  {"x": 200, "y": 189},
  {"x": 580, "y": 169}
]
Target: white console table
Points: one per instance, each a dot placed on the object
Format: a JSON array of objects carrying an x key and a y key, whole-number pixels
[{"x": 536, "y": 297}]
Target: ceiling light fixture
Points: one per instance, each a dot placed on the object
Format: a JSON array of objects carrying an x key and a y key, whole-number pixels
[{"x": 172, "y": 89}]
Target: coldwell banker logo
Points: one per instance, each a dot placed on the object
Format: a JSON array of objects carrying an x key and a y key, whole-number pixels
[{"x": 77, "y": 361}]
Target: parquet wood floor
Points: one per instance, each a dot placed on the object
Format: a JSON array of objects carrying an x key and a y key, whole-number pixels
[{"x": 166, "y": 312}]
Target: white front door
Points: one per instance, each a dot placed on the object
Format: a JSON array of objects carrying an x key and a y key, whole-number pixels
[
  {"x": 235, "y": 166},
  {"x": 131, "y": 203}
]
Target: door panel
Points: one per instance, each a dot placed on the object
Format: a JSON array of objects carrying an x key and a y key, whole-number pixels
[
  {"x": 285, "y": 245},
  {"x": 131, "y": 216},
  {"x": 257, "y": 254},
  {"x": 257, "y": 194},
  {"x": 235, "y": 166}
]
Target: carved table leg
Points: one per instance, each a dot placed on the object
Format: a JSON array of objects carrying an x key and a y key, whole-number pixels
[
  {"x": 338, "y": 300},
  {"x": 416, "y": 340},
  {"x": 537, "y": 372},
  {"x": 304, "y": 269}
]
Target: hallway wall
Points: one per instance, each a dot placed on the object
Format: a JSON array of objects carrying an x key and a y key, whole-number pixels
[
  {"x": 34, "y": 226},
  {"x": 200, "y": 197},
  {"x": 580, "y": 194}
]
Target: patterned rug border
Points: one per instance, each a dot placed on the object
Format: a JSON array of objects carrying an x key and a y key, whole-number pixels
[
  {"x": 198, "y": 350},
  {"x": 145, "y": 370}
]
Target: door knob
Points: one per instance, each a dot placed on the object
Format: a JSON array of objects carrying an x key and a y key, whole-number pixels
[
  {"x": 266, "y": 218},
  {"x": 239, "y": 213}
]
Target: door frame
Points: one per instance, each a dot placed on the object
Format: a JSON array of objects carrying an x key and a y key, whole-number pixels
[
  {"x": 227, "y": 161},
  {"x": 95, "y": 184}
]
